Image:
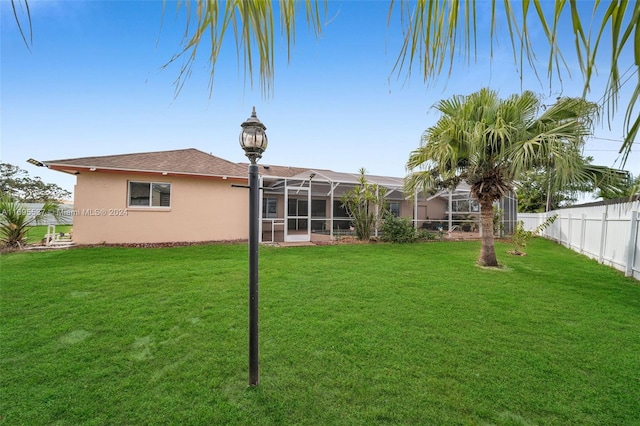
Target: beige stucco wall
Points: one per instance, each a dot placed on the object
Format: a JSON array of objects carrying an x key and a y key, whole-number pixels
[
  {"x": 201, "y": 210},
  {"x": 434, "y": 209}
]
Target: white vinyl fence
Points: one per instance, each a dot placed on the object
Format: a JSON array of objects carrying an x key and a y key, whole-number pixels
[{"x": 606, "y": 231}]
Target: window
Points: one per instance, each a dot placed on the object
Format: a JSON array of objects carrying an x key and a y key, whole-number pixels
[
  {"x": 463, "y": 206},
  {"x": 269, "y": 207},
  {"x": 318, "y": 208},
  {"x": 298, "y": 209},
  {"x": 149, "y": 194},
  {"x": 394, "y": 208},
  {"x": 318, "y": 214},
  {"x": 339, "y": 212}
]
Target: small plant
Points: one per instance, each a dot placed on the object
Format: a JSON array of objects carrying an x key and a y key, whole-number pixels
[
  {"x": 15, "y": 223},
  {"x": 520, "y": 236}
]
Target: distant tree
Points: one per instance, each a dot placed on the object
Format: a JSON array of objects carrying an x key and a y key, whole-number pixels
[
  {"x": 489, "y": 142},
  {"x": 542, "y": 189},
  {"x": 17, "y": 183},
  {"x": 532, "y": 189}
]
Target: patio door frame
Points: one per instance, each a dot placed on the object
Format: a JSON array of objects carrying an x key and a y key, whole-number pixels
[{"x": 297, "y": 237}]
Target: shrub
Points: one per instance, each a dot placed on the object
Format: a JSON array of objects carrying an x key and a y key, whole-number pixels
[
  {"x": 424, "y": 235},
  {"x": 365, "y": 205},
  {"x": 398, "y": 230}
]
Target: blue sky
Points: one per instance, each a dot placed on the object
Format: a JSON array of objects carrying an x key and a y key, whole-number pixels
[{"x": 93, "y": 84}]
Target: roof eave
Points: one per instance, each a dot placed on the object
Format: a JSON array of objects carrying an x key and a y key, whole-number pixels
[{"x": 76, "y": 169}]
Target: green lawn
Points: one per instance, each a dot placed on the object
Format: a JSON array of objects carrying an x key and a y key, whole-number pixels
[
  {"x": 37, "y": 233},
  {"x": 350, "y": 335}
]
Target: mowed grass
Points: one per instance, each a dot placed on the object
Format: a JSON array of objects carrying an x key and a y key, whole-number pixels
[
  {"x": 349, "y": 335},
  {"x": 37, "y": 233}
]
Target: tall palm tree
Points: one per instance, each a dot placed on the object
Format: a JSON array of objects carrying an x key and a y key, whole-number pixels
[
  {"x": 432, "y": 31},
  {"x": 489, "y": 142}
]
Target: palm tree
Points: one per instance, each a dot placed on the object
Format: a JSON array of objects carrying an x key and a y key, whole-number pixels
[
  {"x": 431, "y": 29},
  {"x": 557, "y": 188},
  {"x": 15, "y": 221},
  {"x": 628, "y": 188},
  {"x": 366, "y": 206},
  {"x": 490, "y": 142}
]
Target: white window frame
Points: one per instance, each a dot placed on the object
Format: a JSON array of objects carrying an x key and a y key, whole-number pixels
[
  {"x": 399, "y": 211},
  {"x": 150, "y": 205},
  {"x": 266, "y": 202}
]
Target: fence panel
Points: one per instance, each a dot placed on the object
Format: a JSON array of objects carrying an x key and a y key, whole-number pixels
[
  {"x": 531, "y": 220},
  {"x": 592, "y": 236},
  {"x": 616, "y": 239},
  {"x": 607, "y": 231}
]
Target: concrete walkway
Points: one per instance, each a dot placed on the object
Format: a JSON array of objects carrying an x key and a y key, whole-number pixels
[{"x": 294, "y": 244}]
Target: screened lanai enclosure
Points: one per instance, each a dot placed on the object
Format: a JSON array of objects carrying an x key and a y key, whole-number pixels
[
  {"x": 463, "y": 211},
  {"x": 306, "y": 205}
]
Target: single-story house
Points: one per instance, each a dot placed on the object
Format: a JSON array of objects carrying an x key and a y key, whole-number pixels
[{"x": 190, "y": 196}]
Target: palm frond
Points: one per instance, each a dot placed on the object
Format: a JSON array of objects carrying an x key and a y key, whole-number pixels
[
  {"x": 431, "y": 31},
  {"x": 15, "y": 222},
  {"x": 429, "y": 40},
  {"x": 491, "y": 142},
  {"x": 28, "y": 43},
  {"x": 252, "y": 23}
]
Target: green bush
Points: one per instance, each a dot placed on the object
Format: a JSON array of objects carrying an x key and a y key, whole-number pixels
[
  {"x": 398, "y": 230},
  {"x": 424, "y": 235}
]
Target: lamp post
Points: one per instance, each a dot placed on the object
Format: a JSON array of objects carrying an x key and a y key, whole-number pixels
[{"x": 253, "y": 140}]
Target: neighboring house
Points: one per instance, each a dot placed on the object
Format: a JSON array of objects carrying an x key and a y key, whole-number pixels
[{"x": 187, "y": 196}]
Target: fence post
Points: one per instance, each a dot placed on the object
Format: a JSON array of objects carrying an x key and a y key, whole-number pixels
[
  {"x": 569, "y": 232},
  {"x": 631, "y": 247},
  {"x": 583, "y": 224},
  {"x": 603, "y": 237}
]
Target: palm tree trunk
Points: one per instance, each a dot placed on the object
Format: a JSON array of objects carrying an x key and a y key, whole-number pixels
[{"x": 487, "y": 250}]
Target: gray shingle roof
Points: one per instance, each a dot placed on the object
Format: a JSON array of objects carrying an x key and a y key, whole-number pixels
[
  {"x": 182, "y": 161},
  {"x": 276, "y": 171},
  {"x": 195, "y": 162}
]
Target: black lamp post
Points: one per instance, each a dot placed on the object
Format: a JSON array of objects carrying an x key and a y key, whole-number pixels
[{"x": 253, "y": 140}]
